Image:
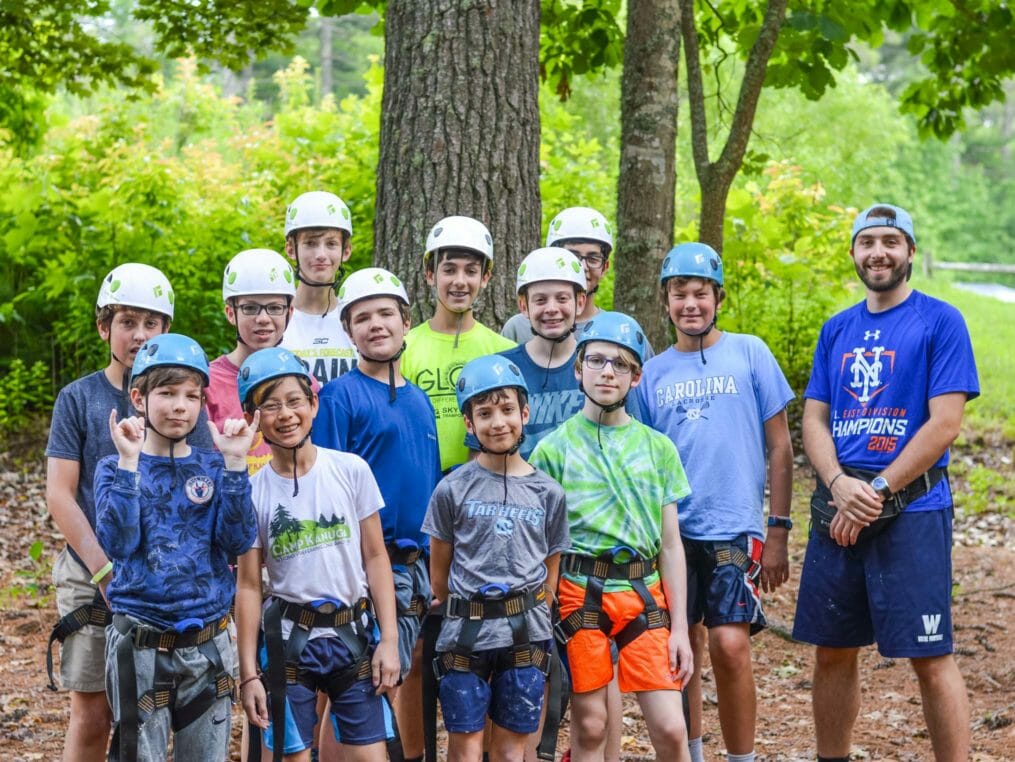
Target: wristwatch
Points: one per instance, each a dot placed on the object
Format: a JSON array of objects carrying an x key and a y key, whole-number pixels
[
  {"x": 780, "y": 521},
  {"x": 880, "y": 485}
]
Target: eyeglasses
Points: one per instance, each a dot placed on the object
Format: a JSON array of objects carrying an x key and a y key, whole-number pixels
[
  {"x": 252, "y": 309},
  {"x": 274, "y": 407},
  {"x": 595, "y": 261},
  {"x": 597, "y": 362}
]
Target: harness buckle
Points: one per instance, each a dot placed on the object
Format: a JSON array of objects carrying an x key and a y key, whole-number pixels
[{"x": 327, "y": 605}]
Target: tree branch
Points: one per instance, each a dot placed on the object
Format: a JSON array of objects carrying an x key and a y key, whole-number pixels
[
  {"x": 695, "y": 91},
  {"x": 732, "y": 156}
]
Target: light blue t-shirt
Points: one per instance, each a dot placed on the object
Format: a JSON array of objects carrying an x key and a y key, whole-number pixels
[{"x": 715, "y": 414}]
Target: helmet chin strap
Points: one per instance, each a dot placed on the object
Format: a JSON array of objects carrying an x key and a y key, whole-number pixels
[
  {"x": 603, "y": 410},
  {"x": 553, "y": 345},
  {"x": 701, "y": 337},
  {"x": 392, "y": 389},
  {"x": 296, "y": 483},
  {"x": 172, "y": 441},
  {"x": 315, "y": 283},
  {"x": 507, "y": 454}
]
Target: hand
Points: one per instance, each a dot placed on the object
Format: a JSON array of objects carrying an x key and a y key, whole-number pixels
[
  {"x": 844, "y": 530},
  {"x": 681, "y": 656},
  {"x": 775, "y": 559},
  {"x": 856, "y": 499},
  {"x": 255, "y": 703},
  {"x": 127, "y": 435},
  {"x": 236, "y": 437},
  {"x": 386, "y": 667}
]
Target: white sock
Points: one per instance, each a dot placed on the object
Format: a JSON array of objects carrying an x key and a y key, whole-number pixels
[
  {"x": 694, "y": 746},
  {"x": 749, "y": 757}
]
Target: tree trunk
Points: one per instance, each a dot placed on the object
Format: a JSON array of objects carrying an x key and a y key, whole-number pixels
[
  {"x": 327, "y": 59},
  {"x": 647, "y": 181},
  {"x": 459, "y": 135}
]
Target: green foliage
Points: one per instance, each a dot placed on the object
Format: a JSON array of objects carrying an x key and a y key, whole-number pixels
[
  {"x": 780, "y": 239},
  {"x": 23, "y": 392},
  {"x": 989, "y": 491},
  {"x": 182, "y": 179},
  {"x": 578, "y": 37},
  {"x": 34, "y": 581}
]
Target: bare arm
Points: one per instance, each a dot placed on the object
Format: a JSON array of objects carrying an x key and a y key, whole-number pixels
[
  {"x": 386, "y": 666},
  {"x": 552, "y": 577},
  {"x": 248, "y": 623},
  {"x": 930, "y": 442},
  {"x": 61, "y": 498},
  {"x": 440, "y": 568},
  {"x": 673, "y": 572},
  {"x": 775, "y": 557}
]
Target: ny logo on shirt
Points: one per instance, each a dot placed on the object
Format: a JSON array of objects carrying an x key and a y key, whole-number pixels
[{"x": 867, "y": 371}]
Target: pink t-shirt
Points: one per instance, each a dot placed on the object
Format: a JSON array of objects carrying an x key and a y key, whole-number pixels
[{"x": 223, "y": 399}]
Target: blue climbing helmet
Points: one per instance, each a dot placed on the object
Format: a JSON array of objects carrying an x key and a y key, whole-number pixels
[
  {"x": 692, "y": 260},
  {"x": 265, "y": 365},
  {"x": 484, "y": 374},
  {"x": 616, "y": 328},
  {"x": 170, "y": 349}
]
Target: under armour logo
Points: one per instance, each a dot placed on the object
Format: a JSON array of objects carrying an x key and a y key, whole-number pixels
[{"x": 872, "y": 335}]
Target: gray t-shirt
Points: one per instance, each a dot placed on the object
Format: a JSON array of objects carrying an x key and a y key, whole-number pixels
[
  {"x": 497, "y": 541},
  {"x": 79, "y": 431},
  {"x": 519, "y": 329}
]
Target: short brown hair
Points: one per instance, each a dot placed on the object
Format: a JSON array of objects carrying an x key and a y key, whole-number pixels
[
  {"x": 403, "y": 309},
  {"x": 683, "y": 280},
  {"x": 494, "y": 396},
  {"x": 625, "y": 353},
  {"x": 104, "y": 315},
  {"x": 166, "y": 375},
  {"x": 453, "y": 252}
]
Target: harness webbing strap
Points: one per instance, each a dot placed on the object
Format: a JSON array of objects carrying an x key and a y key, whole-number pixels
[
  {"x": 430, "y": 632},
  {"x": 162, "y": 694},
  {"x": 96, "y": 613},
  {"x": 276, "y": 679}
]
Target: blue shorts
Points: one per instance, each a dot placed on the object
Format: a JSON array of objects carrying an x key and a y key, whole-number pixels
[
  {"x": 358, "y": 717},
  {"x": 512, "y": 698},
  {"x": 410, "y": 581},
  {"x": 894, "y": 589},
  {"x": 723, "y": 594}
]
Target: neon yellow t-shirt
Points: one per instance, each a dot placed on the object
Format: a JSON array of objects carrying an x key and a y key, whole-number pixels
[{"x": 433, "y": 362}]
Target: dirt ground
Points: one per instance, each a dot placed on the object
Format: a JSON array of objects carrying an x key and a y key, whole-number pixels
[{"x": 890, "y": 727}]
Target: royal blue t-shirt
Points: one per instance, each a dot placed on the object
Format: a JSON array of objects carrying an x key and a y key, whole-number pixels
[
  {"x": 877, "y": 372},
  {"x": 397, "y": 439}
]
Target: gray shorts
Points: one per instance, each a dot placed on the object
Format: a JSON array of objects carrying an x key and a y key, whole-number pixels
[
  {"x": 410, "y": 581},
  {"x": 82, "y": 654},
  {"x": 206, "y": 739}
]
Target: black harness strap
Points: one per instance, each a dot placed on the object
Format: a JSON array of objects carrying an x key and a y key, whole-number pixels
[
  {"x": 96, "y": 613},
  {"x": 556, "y": 705},
  {"x": 162, "y": 694},
  {"x": 598, "y": 569},
  {"x": 430, "y": 633}
]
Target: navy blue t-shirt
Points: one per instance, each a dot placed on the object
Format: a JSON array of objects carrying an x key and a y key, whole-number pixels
[
  {"x": 397, "y": 439},
  {"x": 877, "y": 372}
]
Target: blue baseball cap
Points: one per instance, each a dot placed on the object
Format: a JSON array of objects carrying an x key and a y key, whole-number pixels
[{"x": 898, "y": 219}]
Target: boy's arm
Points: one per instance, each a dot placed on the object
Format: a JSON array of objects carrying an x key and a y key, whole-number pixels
[
  {"x": 673, "y": 572},
  {"x": 117, "y": 509},
  {"x": 62, "y": 477},
  {"x": 248, "y": 621},
  {"x": 775, "y": 556},
  {"x": 440, "y": 568},
  {"x": 235, "y": 521},
  {"x": 386, "y": 666},
  {"x": 552, "y": 576}
]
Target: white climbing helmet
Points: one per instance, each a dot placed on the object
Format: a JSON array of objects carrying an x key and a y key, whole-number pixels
[
  {"x": 368, "y": 283},
  {"x": 579, "y": 222},
  {"x": 460, "y": 233},
  {"x": 258, "y": 271},
  {"x": 550, "y": 263},
  {"x": 137, "y": 285},
  {"x": 317, "y": 209}
]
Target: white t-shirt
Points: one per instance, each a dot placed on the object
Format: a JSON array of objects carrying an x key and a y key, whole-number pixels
[
  {"x": 310, "y": 543},
  {"x": 321, "y": 343}
]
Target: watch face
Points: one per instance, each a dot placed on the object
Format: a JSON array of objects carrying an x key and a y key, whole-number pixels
[{"x": 880, "y": 484}]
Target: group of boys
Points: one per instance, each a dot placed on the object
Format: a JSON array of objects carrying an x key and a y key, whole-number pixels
[{"x": 526, "y": 497}]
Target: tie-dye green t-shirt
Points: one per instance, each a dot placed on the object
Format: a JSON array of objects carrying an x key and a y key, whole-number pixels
[{"x": 615, "y": 492}]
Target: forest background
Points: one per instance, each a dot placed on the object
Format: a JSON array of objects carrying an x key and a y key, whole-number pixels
[{"x": 201, "y": 163}]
